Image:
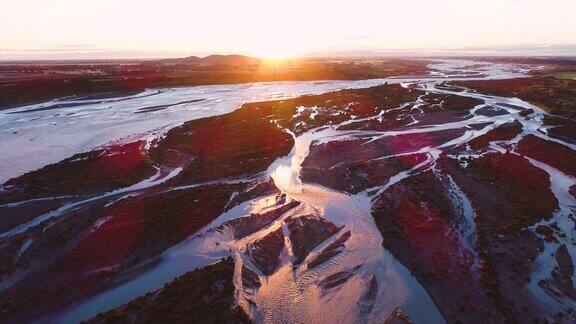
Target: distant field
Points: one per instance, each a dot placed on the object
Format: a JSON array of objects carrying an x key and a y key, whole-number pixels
[{"x": 566, "y": 75}]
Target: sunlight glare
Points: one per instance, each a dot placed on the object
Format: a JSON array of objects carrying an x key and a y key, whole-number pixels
[{"x": 277, "y": 50}]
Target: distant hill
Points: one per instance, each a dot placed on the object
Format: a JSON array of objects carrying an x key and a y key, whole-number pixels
[{"x": 216, "y": 60}]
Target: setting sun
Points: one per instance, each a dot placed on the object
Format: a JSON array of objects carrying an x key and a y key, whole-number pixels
[
  {"x": 274, "y": 49},
  {"x": 273, "y": 53},
  {"x": 276, "y": 42}
]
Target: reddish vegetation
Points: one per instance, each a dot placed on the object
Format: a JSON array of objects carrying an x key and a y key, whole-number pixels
[
  {"x": 518, "y": 182},
  {"x": 250, "y": 279},
  {"x": 258, "y": 190},
  {"x": 436, "y": 109},
  {"x": 98, "y": 171},
  {"x": 501, "y": 133},
  {"x": 336, "y": 107},
  {"x": 266, "y": 251},
  {"x": 200, "y": 296},
  {"x": 416, "y": 218},
  {"x": 557, "y": 96},
  {"x": 330, "y": 251},
  {"x": 356, "y": 177},
  {"x": 49, "y": 241},
  {"x": 23, "y": 213},
  {"x": 561, "y": 128},
  {"x": 107, "y": 245},
  {"x": 118, "y": 159},
  {"x": 92, "y": 173},
  {"x": 451, "y": 102},
  {"x": 491, "y": 111},
  {"x": 508, "y": 195},
  {"x": 134, "y": 230},
  {"x": 337, "y": 279},
  {"x": 556, "y": 155},
  {"x": 306, "y": 232},
  {"x": 147, "y": 225},
  {"x": 562, "y": 276},
  {"x": 237, "y": 144},
  {"x": 245, "y": 226},
  {"x": 354, "y": 151}
]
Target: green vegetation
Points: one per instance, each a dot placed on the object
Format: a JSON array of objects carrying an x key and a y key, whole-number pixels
[{"x": 566, "y": 75}]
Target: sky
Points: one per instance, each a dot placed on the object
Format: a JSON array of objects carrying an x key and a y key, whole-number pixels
[{"x": 31, "y": 29}]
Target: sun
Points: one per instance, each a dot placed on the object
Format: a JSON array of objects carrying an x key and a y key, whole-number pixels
[
  {"x": 275, "y": 51},
  {"x": 273, "y": 54}
]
